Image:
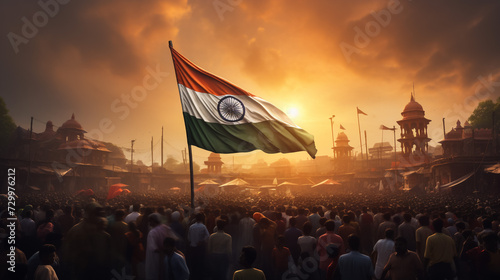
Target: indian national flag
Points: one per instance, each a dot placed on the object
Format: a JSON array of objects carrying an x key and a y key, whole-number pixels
[{"x": 223, "y": 118}]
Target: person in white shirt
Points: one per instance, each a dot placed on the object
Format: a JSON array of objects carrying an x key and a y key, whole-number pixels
[
  {"x": 45, "y": 271},
  {"x": 220, "y": 251},
  {"x": 245, "y": 230},
  {"x": 132, "y": 217},
  {"x": 197, "y": 238},
  {"x": 382, "y": 251},
  {"x": 307, "y": 243}
]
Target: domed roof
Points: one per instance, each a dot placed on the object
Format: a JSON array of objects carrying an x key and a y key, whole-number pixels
[
  {"x": 413, "y": 110},
  {"x": 72, "y": 124},
  {"x": 342, "y": 141},
  {"x": 413, "y": 106},
  {"x": 342, "y": 137},
  {"x": 214, "y": 156}
]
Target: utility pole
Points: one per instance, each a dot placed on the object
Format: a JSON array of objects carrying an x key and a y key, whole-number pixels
[
  {"x": 184, "y": 158},
  {"x": 366, "y": 148},
  {"x": 132, "y": 155},
  {"x": 162, "y": 147},
  {"x": 495, "y": 136},
  {"x": 151, "y": 181},
  {"x": 395, "y": 156},
  {"x": 444, "y": 131},
  {"x": 333, "y": 138},
  {"x": 29, "y": 153}
]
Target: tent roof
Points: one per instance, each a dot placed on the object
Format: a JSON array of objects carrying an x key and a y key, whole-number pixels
[
  {"x": 495, "y": 169},
  {"x": 208, "y": 182},
  {"x": 456, "y": 182},
  {"x": 236, "y": 182},
  {"x": 326, "y": 182}
]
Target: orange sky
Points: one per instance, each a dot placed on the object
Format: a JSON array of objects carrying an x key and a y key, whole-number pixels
[{"x": 319, "y": 58}]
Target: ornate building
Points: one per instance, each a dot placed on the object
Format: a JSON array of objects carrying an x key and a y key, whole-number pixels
[
  {"x": 414, "y": 140},
  {"x": 74, "y": 143},
  {"x": 214, "y": 164},
  {"x": 62, "y": 159},
  {"x": 343, "y": 153},
  {"x": 466, "y": 141}
]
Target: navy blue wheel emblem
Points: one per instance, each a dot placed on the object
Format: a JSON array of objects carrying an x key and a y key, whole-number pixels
[{"x": 231, "y": 109}]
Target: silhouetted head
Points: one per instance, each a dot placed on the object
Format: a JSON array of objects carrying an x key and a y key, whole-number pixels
[
  {"x": 200, "y": 217},
  {"x": 221, "y": 224},
  {"x": 169, "y": 245},
  {"x": 346, "y": 219},
  {"x": 47, "y": 254},
  {"x": 490, "y": 241},
  {"x": 353, "y": 241},
  {"x": 424, "y": 220},
  {"x": 307, "y": 228},
  {"x": 401, "y": 246},
  {"x": 330, "y": 225},
  {"x": 389, "y": 234},
  {"x": 248, "y": 256},
  {"x": 437, "y": 224}
]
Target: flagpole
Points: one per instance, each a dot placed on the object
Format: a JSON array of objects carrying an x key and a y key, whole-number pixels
[
  {"x": 161, "y": 146},
  {"x": 333, "y": 139},
  {"x": 359, "y": 130},
  {"x": 191, "y": 177},
  {"x": 381, "y": 146},
  {"x": 366, "y": 147},
  {"x": 395, "y": 156}
]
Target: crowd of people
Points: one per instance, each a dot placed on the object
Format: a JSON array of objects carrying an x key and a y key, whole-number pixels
[{"x": 343, "y": 236}]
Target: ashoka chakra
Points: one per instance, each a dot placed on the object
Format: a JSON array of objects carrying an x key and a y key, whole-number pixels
[{"x": 231, "y": 109}]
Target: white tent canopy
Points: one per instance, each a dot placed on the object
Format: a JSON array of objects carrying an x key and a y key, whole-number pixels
[
  {"x": 326, "y": 182},
  {"x": 236, "y": 182}
]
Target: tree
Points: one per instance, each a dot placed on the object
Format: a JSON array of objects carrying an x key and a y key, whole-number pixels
[
  {"x": 7, "y": 126},
  {"x": 178, "y": 167},
  {"x": 116, "y": 153},
  {"x": 482, "y": 115}
]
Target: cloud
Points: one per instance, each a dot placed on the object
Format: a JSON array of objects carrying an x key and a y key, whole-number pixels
[
  {"x": 93, "y": 51},
  {"x": 449, "y": 43},
  {"x": 84, "y": 49}
]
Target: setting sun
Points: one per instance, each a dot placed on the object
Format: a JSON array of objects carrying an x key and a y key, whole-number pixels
[{"x": 293, "y": 112}]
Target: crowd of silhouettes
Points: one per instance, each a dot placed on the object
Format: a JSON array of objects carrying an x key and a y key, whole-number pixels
[{"x": 345, "y": 236}]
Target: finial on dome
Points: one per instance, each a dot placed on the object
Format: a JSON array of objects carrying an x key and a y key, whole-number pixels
[
  {"x": 412, "y": 98},
  {"x": 73, "y": 116}
]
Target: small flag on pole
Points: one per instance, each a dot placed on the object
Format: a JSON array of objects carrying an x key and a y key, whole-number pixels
[
  {"x": 383, "y": 127},
  {"x": 341, "y": 127},
  {"x": 223, "y": 118},
  {"x": 361, "y": 112}
]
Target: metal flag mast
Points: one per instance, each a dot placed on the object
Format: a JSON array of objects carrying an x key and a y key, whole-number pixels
[
  {"x": 190, "y": 152},
  {"x": 333, "y": 139},
  {"x": 359, "y": 130}
]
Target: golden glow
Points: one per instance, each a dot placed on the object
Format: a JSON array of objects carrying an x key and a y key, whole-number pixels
[
  {"x": 293, "y": 112},
  {"x": 123, "y": 86}
]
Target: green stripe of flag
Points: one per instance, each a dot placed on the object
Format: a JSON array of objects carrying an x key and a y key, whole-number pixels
[{"x": 268, "y": 136}]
